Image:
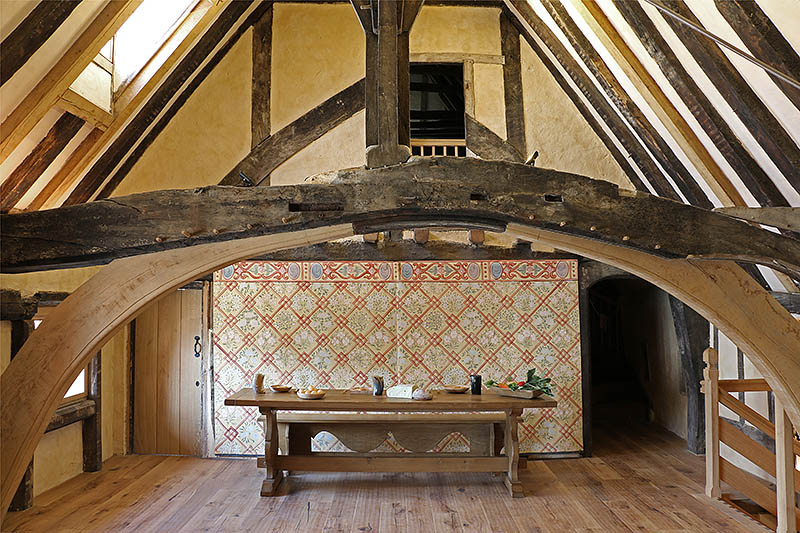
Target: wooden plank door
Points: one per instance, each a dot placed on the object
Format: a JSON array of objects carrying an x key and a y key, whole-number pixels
[{"x": 167, "y": 397}]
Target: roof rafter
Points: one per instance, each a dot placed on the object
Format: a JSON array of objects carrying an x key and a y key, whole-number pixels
[
  {"x": 169, "y": 112},
  {"x": 672, "y": 119},
  {"x": 31, "y": 33},
  {"x": 585, "y": 112},
  {"x": 747, "y": 105},
  {"x": 715, "y": 126},
  {"x": 47, "y": 92},
  {"x": 94, "y": 179},
  {"x": 763, "y": 39},
  {"x": 627, "y": 107},
  {"x": 32, "y": 167},
  {"x": 122, "y": 116},
  {"x": 637, "y": 152}
]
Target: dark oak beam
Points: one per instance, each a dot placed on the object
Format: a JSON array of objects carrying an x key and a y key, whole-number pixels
[
  {"x": 787, "y": 218},
  {"x": 70, "y": 413},
  {"x": 691, "y": 330},
  {"x": 512, "y": 83},
  {"x": 789, "y": 300},
  {"x": 763, "y": 39},
  {"x": 388, "y": 150},
  {"x": 14, "y": 307},
  {"x": 92, "y": 430},
  {"x": 262, "y": 71},
  {"x": 43, "y": 154},
  {"x": 486, "y": 144},
  {"x": 626, "y": 106},
  {"x": 256, "y": 166},
  {"x": 424, "y": 192},
  {"x": 93, "y": 180},
  {"x": 716, "y": 127},
  {"x": 19, "y": 311},
  {"x": 747, "y": 105},
  {"x": 31, "y": 33},
  {"x": 636, "y": 151},
  {"x": 409, "y": 9}
]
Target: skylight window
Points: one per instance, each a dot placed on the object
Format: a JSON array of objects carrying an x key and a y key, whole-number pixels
[{"x": 143, "y": 34}]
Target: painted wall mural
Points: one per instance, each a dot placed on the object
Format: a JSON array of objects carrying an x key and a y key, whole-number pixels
[{"x": 335, "y": 324}]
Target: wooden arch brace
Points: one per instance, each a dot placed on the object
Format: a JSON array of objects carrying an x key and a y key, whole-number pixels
[
  {"x": 424, "y": 192},
  {"x": 32, "y": 385}
]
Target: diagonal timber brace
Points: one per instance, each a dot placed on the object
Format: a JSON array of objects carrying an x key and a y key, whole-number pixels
[{"x": 424, "y": 192}]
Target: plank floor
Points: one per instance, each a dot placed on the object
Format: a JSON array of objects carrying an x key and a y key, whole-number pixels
[{"x": 640, "y": 479}]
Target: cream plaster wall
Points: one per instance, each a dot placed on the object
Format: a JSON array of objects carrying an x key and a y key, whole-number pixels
[
  {"x": 473, "y": 30},
  {"x": 207, "y": 137},
  {"x": 342, "y": 147},
  {"x": 66, "y": 280},
  {"x": 490, "y": 106},
  {"x": 317, "y": 51},
  {"x": 555, "y": 128},
  {"x": 58, "y": 457}
]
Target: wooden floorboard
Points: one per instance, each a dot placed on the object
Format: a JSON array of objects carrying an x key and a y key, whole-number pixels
[{"x": 641, "y": 479}]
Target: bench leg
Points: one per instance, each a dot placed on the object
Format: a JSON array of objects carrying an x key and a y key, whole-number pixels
[
  {"x": 272, "y": 476},
  {"x": 512, "y": 452}
]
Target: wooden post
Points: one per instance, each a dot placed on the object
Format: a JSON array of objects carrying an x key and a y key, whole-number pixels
[
  {"x": 784, "y": 470},
  {"x": 272, "y": 476},
  {"x": 388, "y": 151},
  {"x": 92, "y": 430},
  {"x": 511, "y": 446},
  {"x": 21, "y": 328},
  {"x": 711, "y": 389}
]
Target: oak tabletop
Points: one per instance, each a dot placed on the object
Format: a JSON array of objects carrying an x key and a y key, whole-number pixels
[{"x": 343, "y": 400}]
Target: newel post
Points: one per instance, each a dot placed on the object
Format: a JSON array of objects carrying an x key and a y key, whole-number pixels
[
  {"x": 784, "y": 470},
  {"x": 711, "y": 389}
]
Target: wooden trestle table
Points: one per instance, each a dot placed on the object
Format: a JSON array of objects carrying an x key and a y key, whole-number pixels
[{"x": 341, "y": 400}]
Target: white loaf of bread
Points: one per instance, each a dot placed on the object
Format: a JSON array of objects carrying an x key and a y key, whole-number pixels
[{"x": 401, "y": 391}]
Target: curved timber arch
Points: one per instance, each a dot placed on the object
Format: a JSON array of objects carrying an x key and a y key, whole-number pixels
[{"x": 718, "y": 289}]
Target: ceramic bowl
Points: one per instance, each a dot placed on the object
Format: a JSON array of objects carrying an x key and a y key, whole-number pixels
[
  {"x": 280, "y": 388},
  {"x": 456, "y": 389}
]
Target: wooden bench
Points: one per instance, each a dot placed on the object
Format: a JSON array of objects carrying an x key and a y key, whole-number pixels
[{"x": 363, "y": 432}]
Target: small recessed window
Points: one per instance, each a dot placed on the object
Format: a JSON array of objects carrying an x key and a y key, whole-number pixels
[{"x": 437, "y": 109}]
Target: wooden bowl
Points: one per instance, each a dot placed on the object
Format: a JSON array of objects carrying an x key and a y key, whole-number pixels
[
  {"x": 526, "y": 394},
  {"x": 280, "y": 388},
  {"x": 456, "y": 389},
  {"x": 310, "y": 396}
]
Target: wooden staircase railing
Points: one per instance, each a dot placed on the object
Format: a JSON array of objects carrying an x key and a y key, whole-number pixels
[
  {"x": 781, "y": 501},
  {"x": 433, "y": 147}
]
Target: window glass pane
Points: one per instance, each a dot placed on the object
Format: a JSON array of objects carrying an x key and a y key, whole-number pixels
[
  {"x": 143, "y": 34},
  {"x": 78, "y": 386}
]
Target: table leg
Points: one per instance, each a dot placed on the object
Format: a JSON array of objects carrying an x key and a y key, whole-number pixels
[
  {"x": 273, "y": 476},
  {"x": 512, "y": 452}
]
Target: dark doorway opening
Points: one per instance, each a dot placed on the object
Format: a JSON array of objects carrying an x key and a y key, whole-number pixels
[{"x": 619, "y": 364}]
